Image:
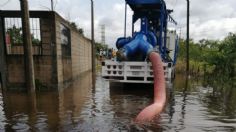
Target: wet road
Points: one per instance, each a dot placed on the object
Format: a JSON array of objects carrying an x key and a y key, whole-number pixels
[{"x": 195, "y": 105}]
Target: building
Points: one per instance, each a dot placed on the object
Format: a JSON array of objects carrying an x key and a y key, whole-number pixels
[{"x": 61, "y": 52}]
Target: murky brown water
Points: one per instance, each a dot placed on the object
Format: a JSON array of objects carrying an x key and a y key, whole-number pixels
[{"x": 193, "y": 106}]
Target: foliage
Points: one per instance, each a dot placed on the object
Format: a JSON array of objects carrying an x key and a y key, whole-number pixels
[
  {"x": 219, "y": 55},
  {"x": 35, "y": 41},
  {"x": 80, "y": 30},
  {"x": 16, "y": 36},
  {"x": 99, "y": 47}
]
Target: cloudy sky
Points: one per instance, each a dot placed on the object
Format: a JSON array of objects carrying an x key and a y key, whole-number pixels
[{"x": 210, "y": 19}]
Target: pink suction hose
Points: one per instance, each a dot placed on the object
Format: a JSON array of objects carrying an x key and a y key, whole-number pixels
[{"x": 159, "y": 91}]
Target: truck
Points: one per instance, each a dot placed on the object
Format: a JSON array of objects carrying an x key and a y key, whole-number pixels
[{"x": 132, "y": 64}]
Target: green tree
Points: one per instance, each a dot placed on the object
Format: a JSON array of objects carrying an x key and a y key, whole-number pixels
[
  {"x": 15, "y": 34},
  {"x": 220, "y": 56},
  {"x": 80, "y": 30}
]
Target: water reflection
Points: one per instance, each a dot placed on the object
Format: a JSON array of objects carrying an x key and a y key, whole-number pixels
[
  {"x": 71, "y": 102},
  {"x": 2, "y": 114},
  {"x": 24, "y": 113},
  {"x": 220, "y": 98},
  {"x": 193, "y": 105}
]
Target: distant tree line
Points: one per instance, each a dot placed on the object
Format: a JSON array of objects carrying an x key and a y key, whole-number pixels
[{"x": 212, "y": 56}]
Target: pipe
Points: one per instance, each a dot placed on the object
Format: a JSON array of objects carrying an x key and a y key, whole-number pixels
[
  {"x": 156, "y": 108},
  {"x": 121, "y": 42},
  {"x": 131, "y": 47}
]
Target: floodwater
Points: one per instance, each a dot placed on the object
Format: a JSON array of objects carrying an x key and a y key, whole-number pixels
[{"x": 193, "y": 106}]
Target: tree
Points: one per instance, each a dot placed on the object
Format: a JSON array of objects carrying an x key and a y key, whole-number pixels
[
  {"x": 80, "y": 30},
  {"x": 16, "y": 36},
  {"x": 221, "y": 55}
]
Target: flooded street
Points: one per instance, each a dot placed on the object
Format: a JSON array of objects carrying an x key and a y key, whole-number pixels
[{"x": 195, "y": 106}]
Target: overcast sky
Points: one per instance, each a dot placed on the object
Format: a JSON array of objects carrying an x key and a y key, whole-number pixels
[{"x": 210, "y": 19}]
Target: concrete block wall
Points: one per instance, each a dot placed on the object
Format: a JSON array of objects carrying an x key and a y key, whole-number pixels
[
  {"x": 81, "y": 54},
  {"x": 46, "y": 39},
  {"x": 42, "y": 60},
  {"x": 46, "y": 25},
  {"x": 19, "y": 50},
  {"x": 60, "y": 78},
  {"x": 52, "y": 68},
  {"x": 43, "y": 69},
  {"x": 15, "y": 70},
  {"x": 67, "y": 70},
  {"x": 80, "y": 59}
]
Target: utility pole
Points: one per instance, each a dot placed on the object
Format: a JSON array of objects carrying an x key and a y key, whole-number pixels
[
  {"x": 28, "y": 55},
  {"x": 187, "y": 41},
  {"x": 93, "y": 42},
  {"x": 52, "y": 5},
  {"x": 2, "y": 56},
  {"x": 125, "y": 19}
]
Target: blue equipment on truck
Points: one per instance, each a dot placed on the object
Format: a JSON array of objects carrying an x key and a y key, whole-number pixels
[{"x": 132, "y": 64}]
